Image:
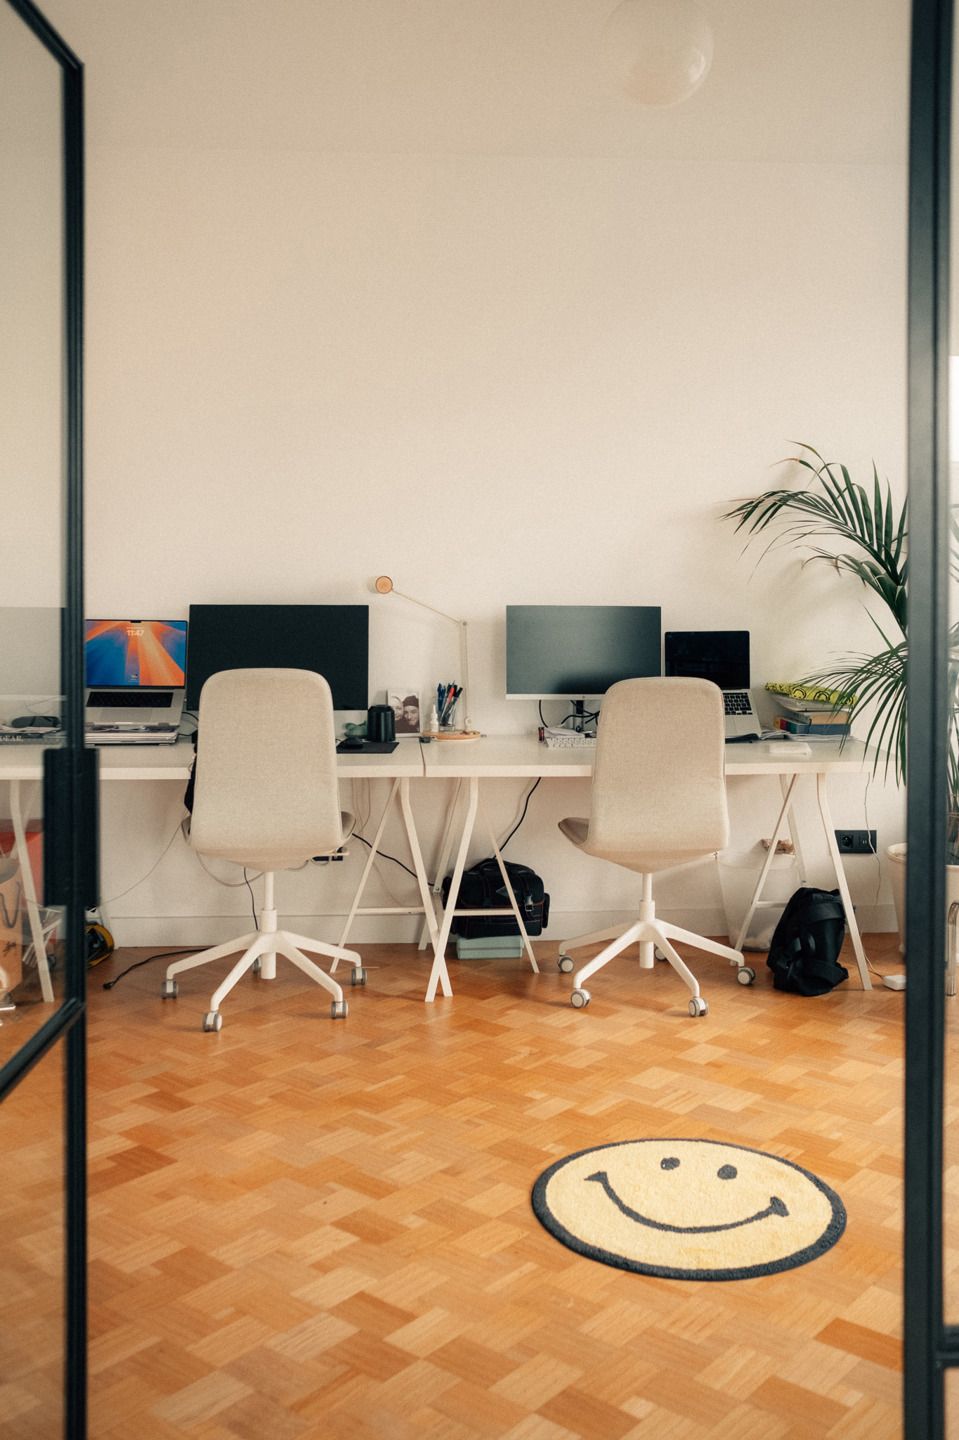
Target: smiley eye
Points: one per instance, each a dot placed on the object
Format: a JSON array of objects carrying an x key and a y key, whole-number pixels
[
  {"x": 727, "y": 1172},
  {"x": 670, "y": 1163}
]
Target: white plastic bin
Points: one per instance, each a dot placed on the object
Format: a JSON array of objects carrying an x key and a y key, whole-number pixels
[{"x": 738, "y": 873}]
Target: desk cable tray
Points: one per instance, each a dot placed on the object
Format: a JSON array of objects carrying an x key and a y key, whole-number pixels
[{"x": 555, "y": 738}]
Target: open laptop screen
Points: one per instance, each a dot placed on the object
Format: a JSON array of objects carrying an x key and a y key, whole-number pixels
[
  {"x": 721, "y": 656},
  {"x": 135, "y": 654}
]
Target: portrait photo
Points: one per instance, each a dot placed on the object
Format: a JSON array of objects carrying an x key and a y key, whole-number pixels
[{"x": 406, "y": 707}]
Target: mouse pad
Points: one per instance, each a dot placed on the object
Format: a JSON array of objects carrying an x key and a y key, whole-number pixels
[{"x": 370, "y": 747}]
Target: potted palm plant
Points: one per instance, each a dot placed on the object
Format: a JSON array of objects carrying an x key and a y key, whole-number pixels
[{"x": 861, "y": 533}]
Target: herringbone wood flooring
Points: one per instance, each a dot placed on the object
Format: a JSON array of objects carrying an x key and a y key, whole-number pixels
[{"x": 308, "y": 1228}]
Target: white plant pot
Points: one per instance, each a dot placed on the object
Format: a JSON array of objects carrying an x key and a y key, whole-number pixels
[{"x": 896, "y": 855}]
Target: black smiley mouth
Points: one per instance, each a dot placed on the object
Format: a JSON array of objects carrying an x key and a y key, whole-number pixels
[{"x": 775, "y": 1207}]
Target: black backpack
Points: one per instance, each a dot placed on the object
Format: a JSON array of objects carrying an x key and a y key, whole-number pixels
[
  {"x": 804, "y": 950},
  {"x": 482, "y": 888}
]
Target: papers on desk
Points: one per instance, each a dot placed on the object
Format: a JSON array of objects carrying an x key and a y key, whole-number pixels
[{"x": 33, "y": 734}]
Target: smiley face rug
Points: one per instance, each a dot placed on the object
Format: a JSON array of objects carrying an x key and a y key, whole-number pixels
[{"x": 688, "y": 1209}]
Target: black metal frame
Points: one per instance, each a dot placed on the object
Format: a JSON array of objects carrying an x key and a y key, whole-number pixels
[
  {"x": 930, "y": 1346},
  {"x": 69, "y": 772}
]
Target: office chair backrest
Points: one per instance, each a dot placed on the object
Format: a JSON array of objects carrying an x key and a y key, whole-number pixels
[
  {"x": 266, "y": 786},
  {"x": 659, "y": 792}
]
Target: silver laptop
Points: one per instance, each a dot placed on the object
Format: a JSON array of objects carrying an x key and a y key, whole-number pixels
[
  {"x": 723, "y": 657},
  {"x": 135, "y": 673}
]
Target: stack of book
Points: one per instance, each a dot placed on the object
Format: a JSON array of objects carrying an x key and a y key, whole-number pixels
[{"x": 810, "y": 711}]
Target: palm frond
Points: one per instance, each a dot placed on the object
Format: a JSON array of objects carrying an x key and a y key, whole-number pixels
[
  {"x": 879, "y": 685},
  {"x": 832, "y": 505}
]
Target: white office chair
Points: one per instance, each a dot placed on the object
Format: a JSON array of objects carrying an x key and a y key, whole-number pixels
[
  {"x": 267, "y": 797},
  {"x": 658, "y": 800}
]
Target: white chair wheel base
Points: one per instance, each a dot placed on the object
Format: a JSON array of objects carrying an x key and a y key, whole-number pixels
[
  {"x": 339, "y": 1010},
  {"x": 213, "y": 1020},
  {"x": 565, "y": 963},
  {"x": 358, "y": 975},
  {"x": 169, "y": 990},
  {"x": 579, "y": 999},
  {"x": 745, "y": 974},
  {"x": 698, "y": 1006}
]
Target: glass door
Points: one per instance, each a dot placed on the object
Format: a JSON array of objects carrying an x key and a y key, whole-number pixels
[
  {"x": 47, "y": 779},
  {"x": 931, "y": 1303}
]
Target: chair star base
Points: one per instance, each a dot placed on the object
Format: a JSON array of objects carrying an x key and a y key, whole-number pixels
[
  {"x": 652, "y": 935},
  {"x": 260, "y": 948}
]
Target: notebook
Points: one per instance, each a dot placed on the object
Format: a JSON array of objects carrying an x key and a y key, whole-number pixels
[
  {"x": 135, "y": 673},
  {"x": 723, "y": 657}
]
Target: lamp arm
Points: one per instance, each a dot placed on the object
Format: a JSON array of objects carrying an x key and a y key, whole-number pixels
[
  {"x": 464, "y": 648},
  {"x": 388, "y": 587},
  {"x": 423, "y": 606}
]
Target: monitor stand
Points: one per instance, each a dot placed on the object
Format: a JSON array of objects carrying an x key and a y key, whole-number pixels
[{"x": 583, "y": 717}]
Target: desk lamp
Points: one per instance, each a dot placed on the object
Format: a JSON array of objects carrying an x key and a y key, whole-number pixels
[{"x": 383, "y": 585}]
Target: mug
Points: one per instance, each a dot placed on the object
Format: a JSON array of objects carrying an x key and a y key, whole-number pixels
[{"x": 380, "y": 723}]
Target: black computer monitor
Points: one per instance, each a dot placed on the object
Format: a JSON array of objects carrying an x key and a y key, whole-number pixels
[
  {"x": 572, "y": 650},
  {"x": 333, "y": 640}
]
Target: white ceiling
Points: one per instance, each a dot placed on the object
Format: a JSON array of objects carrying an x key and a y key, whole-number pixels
[{"x": 795, "y": 80}]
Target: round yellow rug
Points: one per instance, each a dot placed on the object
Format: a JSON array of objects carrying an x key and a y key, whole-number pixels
[{"x": 688, "y": 1209}]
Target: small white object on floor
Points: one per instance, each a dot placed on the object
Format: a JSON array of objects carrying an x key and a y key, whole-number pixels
[{"x": 894, "y": 982}]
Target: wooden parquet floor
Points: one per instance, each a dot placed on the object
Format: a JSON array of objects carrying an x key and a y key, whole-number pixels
[{"x": 305, "y": 1228}]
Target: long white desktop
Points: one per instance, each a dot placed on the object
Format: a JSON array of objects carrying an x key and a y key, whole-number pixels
[{"x": 468, "y": 762}]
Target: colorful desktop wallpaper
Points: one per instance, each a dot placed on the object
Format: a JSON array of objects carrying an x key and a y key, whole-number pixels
[{"x": 135, "y": 652}]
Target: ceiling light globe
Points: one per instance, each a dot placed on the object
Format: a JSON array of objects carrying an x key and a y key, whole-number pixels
[{"x": 660, "y": 51}]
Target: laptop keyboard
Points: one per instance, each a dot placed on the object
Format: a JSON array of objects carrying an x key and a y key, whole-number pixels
[{"x": 737, "y": 702}]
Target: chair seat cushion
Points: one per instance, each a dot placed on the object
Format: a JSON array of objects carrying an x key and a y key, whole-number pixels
[
  {"x": 575, "y": 829},
  {"x": 279, "y": 858},
  {"x": 644, "y": 862}
]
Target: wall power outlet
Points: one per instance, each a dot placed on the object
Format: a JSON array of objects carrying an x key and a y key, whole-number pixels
[{"x": 856, "y": 842}]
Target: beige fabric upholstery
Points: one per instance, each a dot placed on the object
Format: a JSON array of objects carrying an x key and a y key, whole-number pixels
[
  {"x": 658, "y": 800},
  {"x": 266, "y": 786},
  {"x": 658, "y": 794}
]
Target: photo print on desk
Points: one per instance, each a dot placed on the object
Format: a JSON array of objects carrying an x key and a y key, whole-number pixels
[{"x": 406, "y": 707}]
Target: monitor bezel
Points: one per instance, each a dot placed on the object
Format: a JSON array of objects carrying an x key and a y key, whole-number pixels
[
  {"x": 194, "y": 684},
  {"x": 578, "y": 694}
]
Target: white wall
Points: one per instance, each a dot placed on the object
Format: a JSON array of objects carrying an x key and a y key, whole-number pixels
[{"x": 499, "y": 377}]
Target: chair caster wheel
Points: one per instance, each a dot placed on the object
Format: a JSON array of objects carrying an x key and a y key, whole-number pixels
[
  {"x": 213, "y": 1020},
  {"x": 745, "y": 974},
  {"x": 565, "y": 963},
  {"x": 579, "y": 999},
  {"x": 169, "y": 990},
  {"x": 339, "y": 1010},
  {"x": 658, "y": 954},
  {"x": 358, "y": 975},
  {"x": 256, "y": 967},
  {"x": 698, "y": 1006}
]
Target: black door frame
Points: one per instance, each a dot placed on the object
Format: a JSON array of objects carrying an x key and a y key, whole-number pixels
[
  {"x": 930, "y": 1346},
  {"x": 70, "y": 821}
]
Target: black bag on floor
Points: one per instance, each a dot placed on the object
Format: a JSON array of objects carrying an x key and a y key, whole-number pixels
[
  {"x": 482, "y": 888},
  {"x": 804, "y": 949}
]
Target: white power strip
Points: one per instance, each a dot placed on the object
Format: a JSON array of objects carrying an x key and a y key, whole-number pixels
[{"x": 568, "y": 740}]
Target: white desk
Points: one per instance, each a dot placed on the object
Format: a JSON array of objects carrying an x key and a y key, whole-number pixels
[
  {"x": 22, "y": 767},
  {"x": 490, "y": 757},
  {"x": 524, "y": 757}
]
